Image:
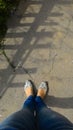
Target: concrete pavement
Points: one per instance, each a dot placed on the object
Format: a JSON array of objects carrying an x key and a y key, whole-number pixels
[{"x": 39, "y": 42}]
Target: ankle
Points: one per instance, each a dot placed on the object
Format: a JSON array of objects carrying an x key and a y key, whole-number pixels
[
  {"x": 41, "y": 93},
  {"x": 28, "y": 91}
]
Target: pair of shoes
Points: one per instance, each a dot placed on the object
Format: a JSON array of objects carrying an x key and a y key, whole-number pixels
[{"x": 30, "y": 90}]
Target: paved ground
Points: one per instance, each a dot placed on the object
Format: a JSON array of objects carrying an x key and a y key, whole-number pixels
[{"x": 39, "y": 41}]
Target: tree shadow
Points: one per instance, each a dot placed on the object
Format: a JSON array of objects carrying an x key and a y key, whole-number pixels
[{"x": 28, "y": 31}]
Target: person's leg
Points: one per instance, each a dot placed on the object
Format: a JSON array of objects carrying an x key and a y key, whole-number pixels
[
  {"x": 23, "y": 119},
  {"x": 48, "y": 119}
]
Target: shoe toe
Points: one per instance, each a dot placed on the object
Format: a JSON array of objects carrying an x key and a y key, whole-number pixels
[{"x": 27, "y": 84}]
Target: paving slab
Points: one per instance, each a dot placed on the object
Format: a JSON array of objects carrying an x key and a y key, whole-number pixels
[{"x": 39, "y": 43}]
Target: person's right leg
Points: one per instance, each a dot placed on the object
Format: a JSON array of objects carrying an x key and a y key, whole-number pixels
[
  {"x": 23, "y": 119},
  {"x": 48, "y": 119}
]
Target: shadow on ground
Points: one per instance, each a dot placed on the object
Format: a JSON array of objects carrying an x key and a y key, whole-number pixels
[{"x": 52, "y": 101}]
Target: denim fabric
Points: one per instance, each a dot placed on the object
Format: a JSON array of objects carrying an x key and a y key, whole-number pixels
[
  {"x": 48, "y": 119},
  {"x": 45, "y": 119},
  {"x": 21, "y": 120}
]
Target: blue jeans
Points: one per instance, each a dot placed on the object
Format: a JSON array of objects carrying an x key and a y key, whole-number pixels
[{"x": 45, "y": 118}]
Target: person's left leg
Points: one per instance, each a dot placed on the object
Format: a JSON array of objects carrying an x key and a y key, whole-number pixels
[
  {"x": 48, "y": 119},
  {"x": 23, "y": 119}
]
